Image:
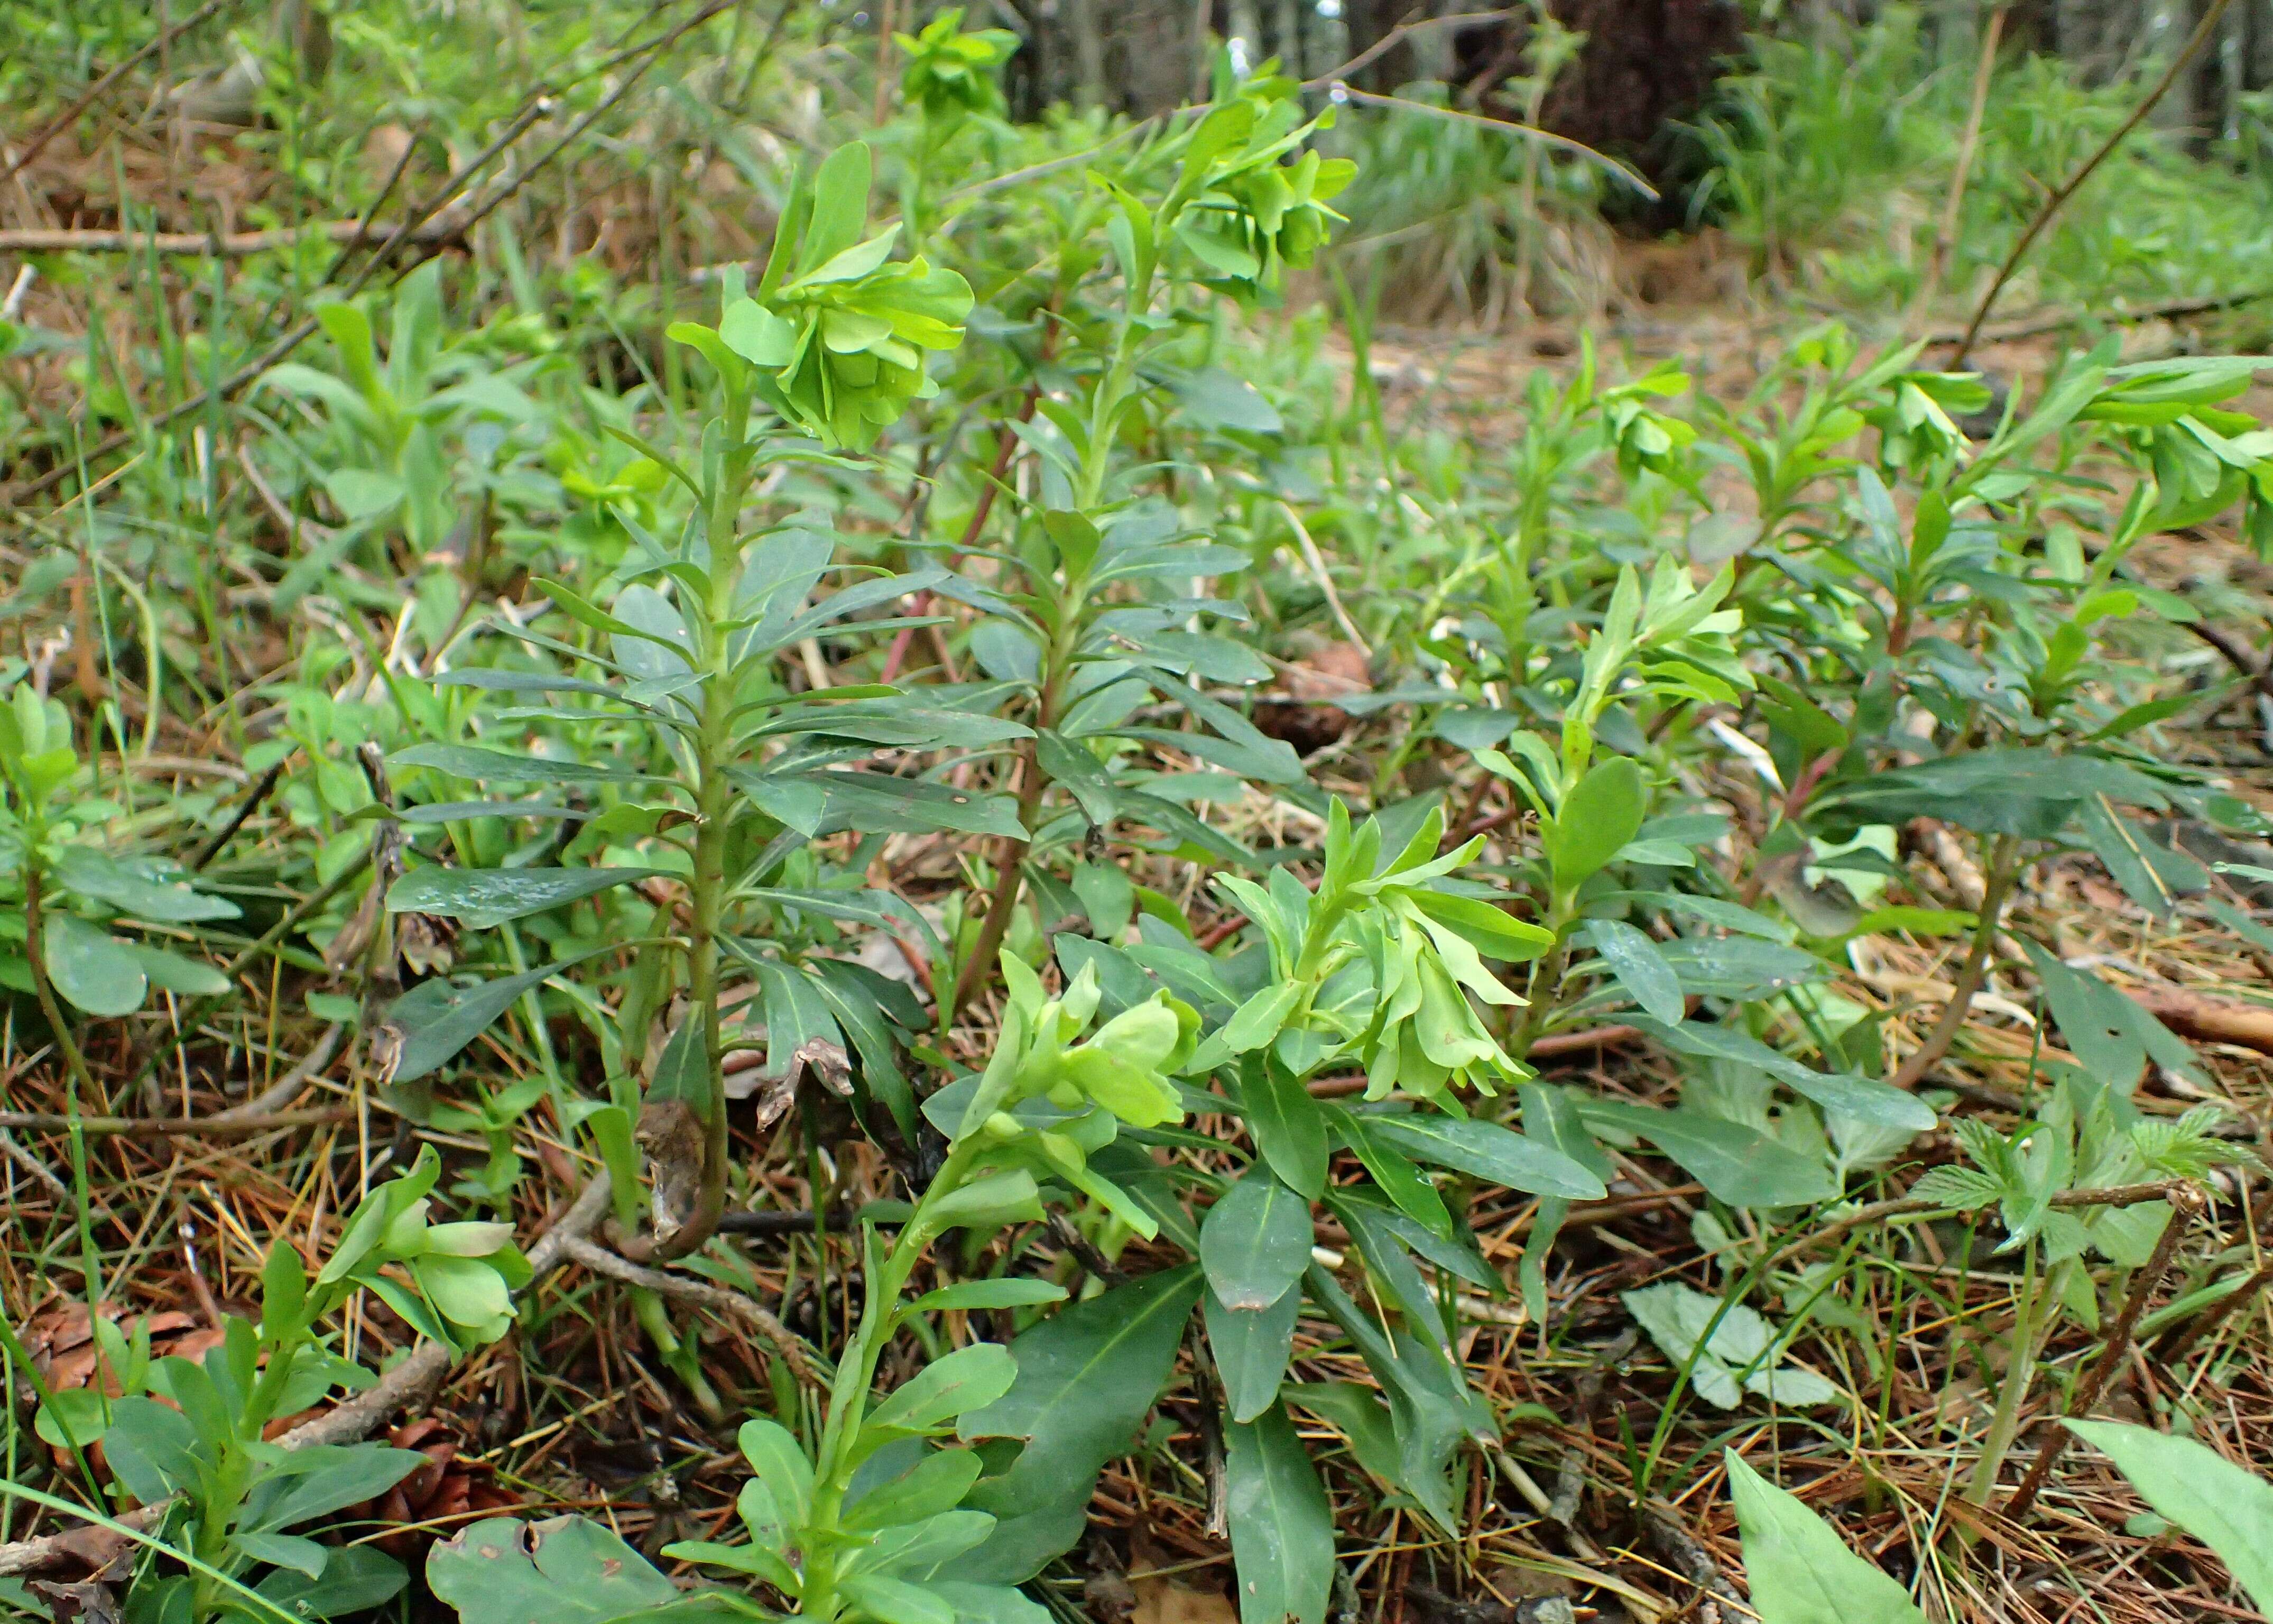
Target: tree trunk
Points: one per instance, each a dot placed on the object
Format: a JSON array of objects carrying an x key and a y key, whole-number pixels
[
  {"x": 1135, "y": 56},
  {"x": 2103, "y": 38},
  {"x": 1647, "y": 66},
  {"x": 2256, "y": 43}
]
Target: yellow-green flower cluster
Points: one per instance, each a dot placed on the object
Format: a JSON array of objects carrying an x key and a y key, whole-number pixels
[
  {"x": 1049, "y": 1100},
  {"x": 454, "y": 1281},
  {"x": 950, "y": 74},
  {"x": 1252, "y": 213},
  {"x": 838, "y": 330}
]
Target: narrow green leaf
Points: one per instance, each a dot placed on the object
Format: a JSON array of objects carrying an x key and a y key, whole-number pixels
[
  {"x": 486, "y": 898},
  {"x": 1282, "y": 1530},
  {"x": 1634, "y": 959},
  {"x": 466, "y": 761},
  {"x": 1487, "y": 1151},
  {"x": 438, "y": 1018},
  {"x": 1288, "y": 1125}
]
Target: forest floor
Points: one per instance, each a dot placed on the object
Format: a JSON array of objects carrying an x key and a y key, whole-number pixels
[{"x": 576, "y": 1411}]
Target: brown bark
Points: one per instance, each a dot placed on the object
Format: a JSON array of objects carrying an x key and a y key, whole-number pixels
[
  {"x": 1135, "y": 56},
  {"x": 1648, "y": 66}
]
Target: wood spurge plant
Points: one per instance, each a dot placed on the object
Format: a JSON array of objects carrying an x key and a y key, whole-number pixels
[{"x": 806, "y": 813}]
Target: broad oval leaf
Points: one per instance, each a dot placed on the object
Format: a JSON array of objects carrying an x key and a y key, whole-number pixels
[
  {"x": 91, "y": 969},
  {"x": 1600, "y": 815},
  {"x": 562, "y": 1570}
]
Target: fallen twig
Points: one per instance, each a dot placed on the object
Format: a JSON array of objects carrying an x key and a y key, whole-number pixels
[
  {"x": 2187, "y": 1203},
  {"x": 1903, "y": 1206},
  {"x": 2205, "y": 31},
  {"x": 2206, "y": 1019},
  {"x": 230, "y": 244},
  {"x": 2240, "y": 658},
  {"x": 220, "y": 1125},
  {"x": 600, "y": 1261},
  {"x": 2054, "y": 321},
  {"x": 69, "y": 117}
]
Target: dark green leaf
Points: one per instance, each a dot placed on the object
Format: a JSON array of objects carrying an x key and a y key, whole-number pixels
[
  {"x": 466, "y": 761},
  {"x": 874, "y": 803},
  {"x": 438, "y": 1018},
  {"x": 315, "y": 1481},
  {"x": 1487, "y": 1151},
  {"x": 1282, "y": 1530},
  {"x": 1086, "y": 1378},
  {"x": 2030, "y": 792},
  {"x": 487, "y": 897},
  {"x": 1255, "y": 1242},
  {"x": 2111, "y": 1035},
  {"x": 1876, "y": 1102},
  {"x": 355, "y": 1579},
  {"x": 1251, "y": 1347},
  {"x": 1399, "y": 1180}
]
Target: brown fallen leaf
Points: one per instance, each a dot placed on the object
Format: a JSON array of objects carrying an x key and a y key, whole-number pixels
[
  {"x": 1163, "y": 1601},
  {"x": 89, "y": 1602},
  {"x": 62, "y": 1342},
  {"x": 1307, "y": 717},
  {"x": 446, "y": 1491},
  {"x": 670, "y": 1136}
]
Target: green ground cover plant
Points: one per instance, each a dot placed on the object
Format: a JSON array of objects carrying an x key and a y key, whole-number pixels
[{"x": 925, "y": 883}]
